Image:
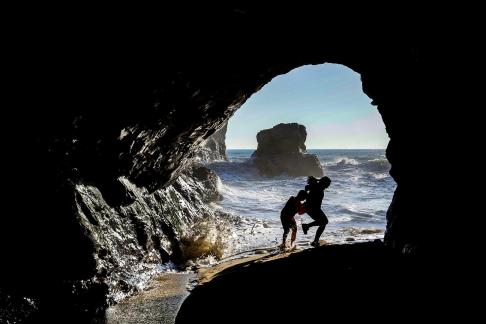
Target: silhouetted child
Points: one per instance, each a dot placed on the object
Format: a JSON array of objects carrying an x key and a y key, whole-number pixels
[{"x": 293, "y": 206}]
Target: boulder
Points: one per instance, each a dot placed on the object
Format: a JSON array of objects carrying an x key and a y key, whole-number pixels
[{"x": 281, "y": 150}]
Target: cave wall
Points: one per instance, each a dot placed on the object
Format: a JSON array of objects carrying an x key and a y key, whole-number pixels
[
  {"x": 120, "y": 248},
  {"x": 99, "y": 100},
  {"x": 213, "y": 148},
  {"x": 129, "y": 242}
]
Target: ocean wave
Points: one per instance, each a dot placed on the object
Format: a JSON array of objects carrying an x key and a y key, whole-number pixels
[
  {"x": 352, "y": 211},
  {"x": 379, "y": 176},
  {"x": 267, "y": 194},
  {"x": 341, "y": 161},
  {"x": 234, "y": 171},
  {"x": 380, "y": 165},
  {"x": 376, "y": 165}
]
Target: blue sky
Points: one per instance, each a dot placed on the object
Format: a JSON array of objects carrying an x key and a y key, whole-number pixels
[{"x": 327, "y": 99}]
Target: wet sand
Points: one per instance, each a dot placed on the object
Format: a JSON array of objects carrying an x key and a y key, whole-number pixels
[{"x": 157, "y": 304}]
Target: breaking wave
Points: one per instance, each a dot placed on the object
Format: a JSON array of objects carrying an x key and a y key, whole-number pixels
[{"x": 378, "y": 165}]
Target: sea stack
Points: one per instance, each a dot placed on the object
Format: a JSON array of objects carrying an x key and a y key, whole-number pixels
[{"x": 281, "y": 150}]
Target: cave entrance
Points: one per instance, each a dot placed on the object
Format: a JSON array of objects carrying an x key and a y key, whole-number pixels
[{"x": 344, "y": 131}]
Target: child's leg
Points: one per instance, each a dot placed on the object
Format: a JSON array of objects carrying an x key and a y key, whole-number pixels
[
  {"x": 294, "y": 235},
  {"x": 284, "y": 237}
]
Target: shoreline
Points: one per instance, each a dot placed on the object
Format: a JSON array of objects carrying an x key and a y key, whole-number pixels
[{"x": 159, "y": 303}]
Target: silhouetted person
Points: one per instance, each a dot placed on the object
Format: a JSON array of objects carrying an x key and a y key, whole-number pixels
[
  {"x": 315, "y": 193},
  {"x": 293, "y": 206}
]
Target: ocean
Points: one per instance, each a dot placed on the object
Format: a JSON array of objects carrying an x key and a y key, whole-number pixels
[{"x": 355, "y": 203}]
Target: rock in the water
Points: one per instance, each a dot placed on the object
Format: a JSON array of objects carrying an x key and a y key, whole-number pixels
[
  {"x": 281, "y": 151},
  {"x": 214, "y": 148}
]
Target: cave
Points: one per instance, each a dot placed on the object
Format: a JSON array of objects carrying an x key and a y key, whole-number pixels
[{"x": 104, "y": 108}]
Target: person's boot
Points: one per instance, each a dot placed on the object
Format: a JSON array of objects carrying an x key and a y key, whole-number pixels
[{"x": 315, "y": 244}]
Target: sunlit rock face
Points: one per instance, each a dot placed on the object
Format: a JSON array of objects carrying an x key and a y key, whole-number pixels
[
  {"x": 97, "y": 111},
  {"x": 131, "y": 242},
  {"x": 214, "y": 148},
  {"x": 281, "y": 151},
  {"x": 123, "y": 246}
]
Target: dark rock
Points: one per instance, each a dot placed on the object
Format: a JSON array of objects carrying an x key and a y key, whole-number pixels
[
  {"x": 281, "y": 151},
  {"x": 131, "y": 240},
  {"x": 135, "y": 104},
  {"x": 292, "y": 164},
  {"x": 116, "y": 194},
  {"x": 281, "y": 139},
  {"x": 146, "y": 232},
  {"x": 341, "y": 271},
  {"x": 209, "y": 181},
  {"x": 16, "y": 309},
  {"x": 214, "y": 148}
]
